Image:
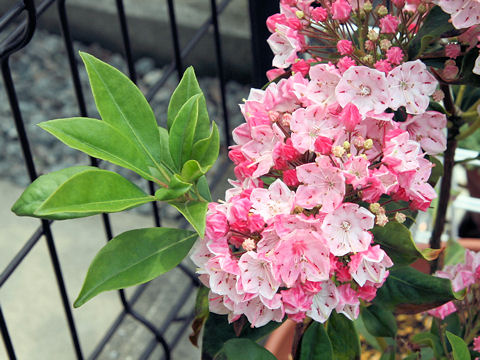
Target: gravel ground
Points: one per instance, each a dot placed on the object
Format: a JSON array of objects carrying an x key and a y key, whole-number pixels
[{"x": 44, "y": 88}]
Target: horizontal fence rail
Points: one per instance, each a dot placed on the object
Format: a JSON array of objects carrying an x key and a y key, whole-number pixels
[{"x": 20, "y": 21}]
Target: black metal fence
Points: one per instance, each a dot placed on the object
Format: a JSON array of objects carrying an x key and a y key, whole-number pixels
[{"x": 18, "y": 38}]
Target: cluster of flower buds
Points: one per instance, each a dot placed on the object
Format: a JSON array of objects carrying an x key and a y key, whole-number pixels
[{"x": 319, "y": 156}]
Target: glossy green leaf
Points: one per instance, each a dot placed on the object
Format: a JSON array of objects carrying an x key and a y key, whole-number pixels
[
  {"x": 218, "y": 331},
  {"x": 379, "y": 321},
  {"x": 99, "y": 139},
  {"x": 204, "y": 188},
  {"x": 430, "y": 340},
  {"x": 182, "y": 131},
  {"x": 93, "y": 191},
  {"x": 437, "y": 171},
  {"x": 165, "y": 157},
  {"x": 241, "y": 349},
  {"x": 466, "y": 74},
  {"x": 454, "y": 253},
  {"x": 195, "y": 212},
  {"x": 396, "y": 240},
  {"x": 176, "y": 188},
  {"x": 135, "y": 257},
  {"x": 409, "y": 291},
  {"x": 316, "y": 343},
  {"x": 205, "y": 151},
  {"x": 459, "y": 348},
  {"x": 122, "y": 105},
  {"x": 41, "y": 189},
  {"x": 187, "y": 88},
  {"x": 192, "y": 170},
  {"x": 434, "y": 26},
  {"x": 344, "y": 337}
]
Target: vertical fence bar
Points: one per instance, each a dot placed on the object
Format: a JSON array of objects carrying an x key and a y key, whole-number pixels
[
  {"x": 221, "y": 76},
  {"x": 262, "y": 55},
  {"x": 176, "y": 42},
  {"x": 12, "y": 97},
  {"x": 77, "y": 86},
  {"x": 133, "y": 76},
  {"x": 6, "y": 337},
  {"x": 27, "y": 153}
]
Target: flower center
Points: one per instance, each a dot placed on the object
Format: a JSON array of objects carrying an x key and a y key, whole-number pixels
[
  {"x": 365, "y": 90},
  {"x": 345, "y": 225}
]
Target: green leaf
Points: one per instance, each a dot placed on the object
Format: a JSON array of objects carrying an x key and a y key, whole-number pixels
[
  {"x": 466, "y": 75},
  {"x": 316, "y": 343},
  {"x": 40, "y": 190},
  {"x": 165, "y": 157},
  {"x": 454, "y": 253},
  {"x": 101, "y": 140},
  {"x": 396, "y": 240},
  {"x": 437, "y": 171},
  {"x": 195, "y": 213},
  {"x": 218, "y": 331},
  {"x": 93, "y": 191},
  {"x": 187, "y": 88},
  {"x": 434, "y": 26},
  {"x": 135, "y": 257},
  {"x": 205, "y": 151},
  {"x": 192, "y": 170},
  {"x": 241, "y": 349},
  {"x": 430, "y": 340},
  {"x": 176, "y": 188},
  {"x": 344, "y": 338},
  {"x": 460, "y": 349},
  {"x": 204, "y": 189},
  {"x": 409, "y": 291},
  {"x": 182, "y": 131},
  {"x": 379, "y": 321},
  {"x": 122, "y": 105}
]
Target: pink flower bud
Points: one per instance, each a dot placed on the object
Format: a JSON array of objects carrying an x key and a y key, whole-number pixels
[
  {"x": 323, "y": 145},
  {"x": 290, "y": 177},
  {"x": 350, "y": 117},
  {"x": 452, "y": 51},
  {"x": 319, "y": 14},
  {"x": 383, "y": 65},
  {"x": 450, "y": 71},
  {"x": 301, "y": 66},
  {"x": 399, "y": 3},
  {"x": 274, "y": 73},
  {"x": 389, "y": 24},
  {"x": 341, "y": 10},
  {"x": 345, "y": 47},
  {"x": 344, "y": 63},
  {"x": 395, "y": 55}
]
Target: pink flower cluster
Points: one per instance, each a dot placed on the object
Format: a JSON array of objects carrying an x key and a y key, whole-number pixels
[
  {"x": 317, "y": 158},
  {"x": 463, "y": 276}
]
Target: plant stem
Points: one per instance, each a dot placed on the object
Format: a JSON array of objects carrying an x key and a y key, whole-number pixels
[{"x": 446, "y": 183}]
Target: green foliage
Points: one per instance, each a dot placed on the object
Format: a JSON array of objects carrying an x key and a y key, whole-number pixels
[
  {"x": 315, "y": 343},
  {"x": 186, "y": 89},
  {"x": 241, "y": 349},
  {"x": 454, "y": 253},
  {"x": 122, "y": 105},
  {"x": 409, "y": 291},
  {"x": 343, "y": 337},
  {"x": 201, "y": 313},
  {"x": 218, "y": 331},
  {"x": 79, "y": 192},
  {"x": 435, "y": 25},
  {"x": 194, "y": 211},
  {"x": 41, "y": 189},
  {"x": 378, "y": 321},
  {"x": 101, "y": 140},
  {"x": 396, "y": 240},
  {"x": 429, "y": 340},
  {"x": 135, "y": 257},
  {"x": 459, "y": 348},
  {"x": 176, "y": 188}
]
